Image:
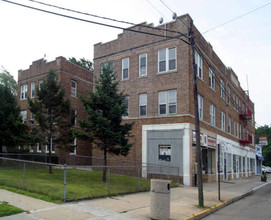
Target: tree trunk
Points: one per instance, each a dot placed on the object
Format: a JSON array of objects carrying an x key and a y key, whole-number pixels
[
  {"x": 105, "y": 164},
  {"x": 50, "y": 158}
]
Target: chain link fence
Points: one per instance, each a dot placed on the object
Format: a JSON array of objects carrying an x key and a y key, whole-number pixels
[{"x": 76, "y": 182}]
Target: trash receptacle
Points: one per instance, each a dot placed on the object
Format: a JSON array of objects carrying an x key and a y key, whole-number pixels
[{"x": 160, "y": 199}]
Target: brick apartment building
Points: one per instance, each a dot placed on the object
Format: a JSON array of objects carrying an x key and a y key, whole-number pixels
[
  {"x": 74, "y": 79},
  {"x": 156, "y": 74}
]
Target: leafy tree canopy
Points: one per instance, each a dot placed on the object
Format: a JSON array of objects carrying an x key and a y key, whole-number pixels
[
  {"x": 12, "y": 130},
  {"x": 105, "y": 108},
  {"x": 86, "y": 64},
  {"x": 7, "y": 80},
  {"x": 53, "y": 114},
  {"x": 265, "y": 131}
]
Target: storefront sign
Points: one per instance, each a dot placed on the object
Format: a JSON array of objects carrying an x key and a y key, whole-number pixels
[
  {"x": 211, "y": 142},
  {"x": 263, "y": 141},
  {"x": 258, "y": 151},
  {"x": 164, "y": 152},
  {"x": 203, "y": 138}
]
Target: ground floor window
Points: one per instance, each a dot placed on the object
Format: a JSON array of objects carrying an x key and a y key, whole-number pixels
[
  {"x": 247, "y": 164},
  {"x": 208, "y": 163},
  {"x": 240, "y": 164},
  {"x": 229, "y": 166},
  {"x": 244, "y": 164},
  {"x": 234, "y": 163}
]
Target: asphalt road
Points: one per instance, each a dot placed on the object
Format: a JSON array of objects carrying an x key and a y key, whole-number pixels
[{"x": 256, "y": 206}]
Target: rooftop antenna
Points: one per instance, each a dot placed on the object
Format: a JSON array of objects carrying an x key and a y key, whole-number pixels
[
  {"x": 161, "y": 20},
  {"x": 174, "y": 15}
]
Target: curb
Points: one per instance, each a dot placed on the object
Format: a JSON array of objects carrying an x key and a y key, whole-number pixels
[{"x": 221, "y": 205}]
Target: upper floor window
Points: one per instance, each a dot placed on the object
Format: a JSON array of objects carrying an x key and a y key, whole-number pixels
[
  {"x": 32, "y": 95},
  {"x": 73, "y": 116},
  {"x": 168, "y": 102},
  {"x": 233, "y": 100},
  {"x": 229, "y": 124},
  {"x": 125, "y": 68},
  {"x": 73, "y": 147},
  {"x": 222, "y": 89},
  {"x": 200, "y": 104},
  {"x": 73, "y": 88},
  {"x": 109, "y": 64},
  {"x": 126, "y": 101},
  {"x": 211, "y": 79},
  {"x": 167, "y": 59},
  {"x": 23, "y": 91},
  {"x": 40, "y": 82},
  {"x": 38, "y": 147},
  {"x": 143, "y": 104},
  {"x": 212, "y": 114},
  {"x": 198, "y": 62},
  {"x": 222, "y": 121},
  {"x": 142, "y": 64},
  {"x": 228, "y": 95},
  {"x": 31, "y": 120},
  {"x": 23, "y": 115}
]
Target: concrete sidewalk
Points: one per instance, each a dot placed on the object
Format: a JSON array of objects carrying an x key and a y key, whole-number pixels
[{"x": 184, "y": 201}]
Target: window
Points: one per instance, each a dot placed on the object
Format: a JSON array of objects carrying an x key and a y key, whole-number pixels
[
  {"x": 52, "y": 145},
  {"x": 32, "y": 95},
  {"x": 233, "y": 100},
  {"x": 167, "y": 59},
  {"x": 229, "y": 124},
  {"x": 38, "y": 147},
  {"x": 73, "y": 88},
  {"x": 109, "y": 65},
  {"x": 222, "y": 116},
  {"x": 211, "y": 79},
  {"x": 73, "y": 147},
  {"x": 234, "y": 128},
  {"x": 212, "y": 114},
  {"x": 126, "y": 101},
  {"x": 198, "y": 62},
  {"x": 237, "y": 130},
  {"x": 23, "y": 115},
  {"x": 240, "y": 131},
  {"x": 222, "y": 89},
  {"x": 23, "y": 91},
  {"x": 142, "y": 64},
  {"x": 142, "y": 104},
  {"x": 168, "y": 102},
  {"x": 40, "y": 82},
  {"x": 31, "y": 120},
  {"x": 73, "y": 117},
  {"x": 200, "y": 103},
  {"x": 31, "y": 149},
  {"x": 228, "y": 95},
  {"x": 125, "y": 68}
]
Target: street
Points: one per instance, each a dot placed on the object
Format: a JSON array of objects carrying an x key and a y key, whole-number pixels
[{"x": 256, "y": 206}]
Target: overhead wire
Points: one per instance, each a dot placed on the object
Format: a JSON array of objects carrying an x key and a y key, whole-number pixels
[
  {"x": 156, "y": 9},
  {"x": 102, "y": 17},
  {"x": 97, "y": 23}
]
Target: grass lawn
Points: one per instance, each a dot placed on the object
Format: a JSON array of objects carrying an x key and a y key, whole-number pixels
[
  {"x": 80, "y": 184},
  {"x": 6, "y": 209}
]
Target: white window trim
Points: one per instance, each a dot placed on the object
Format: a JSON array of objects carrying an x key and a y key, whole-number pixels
[
  {"x": 212, "y": 75},
  {"x": 127, "y": 98},
  {"x": 122, "y": 67},
  {"x": 167, "y": 102},
  {"x": 74, "y": 143},
  {"x": 142, "y": 105},
  {"x": 198, "y": 62},
  {"x": 222, "y": 88},
  {"x": 75, "y": 119},
  {"x": 38, "y": 147},
  {"x": 47, "y": 149},
  {"x": 23, "y": 114},
  {"x": 23, "y": 92},
  {"x": 33, "y": 88},
  {"x": 228, "y": 95},
  {"x": 167, "y": 60},
  {"x": 74, "y": 89},
  {"x": 200, "y": 107},
  {"x": 222, "y": 115},
  {"x": 139, "y": 64},
  {"x": 212, "y": 115}
]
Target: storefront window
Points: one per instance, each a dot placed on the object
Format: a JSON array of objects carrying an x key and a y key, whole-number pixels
[
  {"x": 221, "y": 162},
  {"x": 229, "y": 167},
  {"x": 240, "y": 164},
  {"x": 247, "y": 164},
  {"x": 234, "y": 163},
  {"x": 207, "y": 161},
  {"x": 244, "y": 164}
]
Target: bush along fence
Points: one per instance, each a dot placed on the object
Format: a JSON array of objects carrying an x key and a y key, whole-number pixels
[{"x": 69, "y": 182}]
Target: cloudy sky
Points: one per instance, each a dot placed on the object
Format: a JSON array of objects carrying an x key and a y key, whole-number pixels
[{"x": 243, "y": 44}]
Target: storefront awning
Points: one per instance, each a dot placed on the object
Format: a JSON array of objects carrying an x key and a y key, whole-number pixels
[{"x": 260, "y": 158}]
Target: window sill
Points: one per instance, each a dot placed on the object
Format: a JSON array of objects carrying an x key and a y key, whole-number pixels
[
  {"x": 140, "y": 77},
  {"x": 166, "y": 72},
  {"x": 125, "y": 79}
]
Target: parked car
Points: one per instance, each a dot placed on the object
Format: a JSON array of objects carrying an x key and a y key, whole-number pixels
[
  {"x": 263, "y": 168},
  {"x": 268, "y": 169}
]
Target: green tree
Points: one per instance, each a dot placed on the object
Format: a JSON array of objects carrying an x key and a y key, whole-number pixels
[
  {"x": 265, "y": 131},
  {"x": 7, "y": 80},
  {"x": 86, "y": 64},
  {"x": 53, "y": 114},
  {"x": 12, "y": 130},
  {"x": 103, "y": 127}
]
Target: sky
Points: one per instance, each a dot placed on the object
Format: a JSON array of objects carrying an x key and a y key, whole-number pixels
[{"x": 243, "y": 44}]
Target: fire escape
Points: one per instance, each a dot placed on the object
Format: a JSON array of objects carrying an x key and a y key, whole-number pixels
[{"x": 245, "y": 116}]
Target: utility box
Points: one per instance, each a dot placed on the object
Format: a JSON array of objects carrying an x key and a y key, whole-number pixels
[{"x": 160, "y": 199}]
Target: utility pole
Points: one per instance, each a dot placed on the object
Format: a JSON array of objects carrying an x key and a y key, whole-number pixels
[{"x": 198, "y": 146}]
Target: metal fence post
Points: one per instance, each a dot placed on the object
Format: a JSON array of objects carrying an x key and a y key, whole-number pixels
[
  {"x": 64, "y": 187},
  {"x": 24, "y": 175},
  {"x": 108, "y": 181},
  {"x": 178, "y": 176},
  {"x": 138, "y": 176}
]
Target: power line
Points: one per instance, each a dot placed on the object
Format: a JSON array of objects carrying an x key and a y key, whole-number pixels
[
  {"x": 236, "y": 18},
  {"x": 102, "y": 17},
  {"x": 156, "y": 9},
  {"x": 94, "y": 22},
  {"x": 166, "y": 6}
]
